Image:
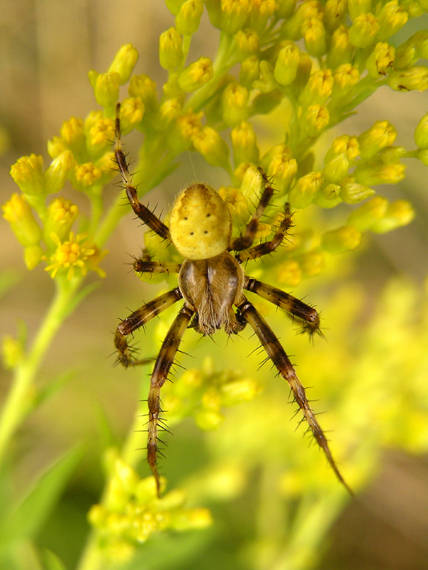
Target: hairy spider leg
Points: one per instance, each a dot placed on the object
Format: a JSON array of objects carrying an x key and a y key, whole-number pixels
[
  {"x": 281, "y": 361},
  {"x": 160, "y": 373},
  {"x": 142, "y": 211},
  {"x": 142, "y": 266},
  {"x": 137, "y": 319},
  {"x": 268, "y": 246},
  {"x": 246, "y": 240},
  {"x": 297, "y": 309}
]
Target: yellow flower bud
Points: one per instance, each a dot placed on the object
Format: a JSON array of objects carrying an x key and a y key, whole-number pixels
[
  {"x": 303, "y": 71},
  {"x": 170, "y": 49},
  {"x": 20, "y": 217},
  {"x": 236, "y": 203},
  {"x": 340, "y": 48},
  {"x": 364, "y": 217},
  {"x": 315, "y": 119},
  {"x": 358, "y": 7},
  {"x": 266, "y": 80},
  {"x": 27, "y": 172},
  {"x": 391, "y": 18},
  {"x": 247, "y": 42},
  {"x": 250, "y": 70},
  {"x": 131, "y": 113},
  {"x": 318, "y": 89},
  {"x": 100, "y": 135},
  {"x": 345, "y": 77},
  {"x": 336, "y": 169},
  {"x": 32, "y": 256},
  {"x": 328, "y": 196},
  {"x": 381, "y": 60},
  {"x": 399, "y": 213},
  {"x": 212, "y": 147},
  {"x": 341, "y": 239},
  {"x": 189, "y": 16},
  {"x": 56, "y": 145},
  {"x": 208, "y": 419},
  {"x": 375, "y": 174},
  {"x": 282, "y": 167},
  {"x": 60, "y": 217},
  {"x": 315, "y": 36},
  {"x": 286, "y": 64},
  {"x": 305, "y": 189},
  {"x": 312, "y": 263},
  {"x": 234, "y": 104},
  {"x": 234, "y": 14},
  {"x": 143, "y": 87},
  {"x": 72, "y": 132},
  {"x": 195, "y": 75},
  {"x": 335, "y": 11},
  {"x": 382, "y": 134},
  {"x": 239, "y": 390},
  {"x": 86, "y": 176},
  {"x": 58, "y": 171},
  {"x": 363, "y": 31},
  {"x": 73, "y": 256},
  {"x": 106, "y": 89},
  {"x": 124, "y": 62},
  {"x": 285, "y": 8},
  {"x": 169, "y": 110},
  {"x": 344, "y": 145},
  {"x": 289, "y": 273},
  {"x": 186, "y": 127},
  {"x": 352, "y": 192},
  {"x": 252, "y": 183},
  {"x": 244, "y": 144},
  {"x": 413, "y": 79},
  {"x": 421, "y": 132}
]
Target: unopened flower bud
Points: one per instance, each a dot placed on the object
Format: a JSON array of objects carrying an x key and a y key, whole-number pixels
[
  {"x": 234, "y": 14},
  {"x": 315, "y": 119},
  {"x": 170, "y": 49},
  {"x": 124, "y": 62},
  {"x": 56, "y": 145},
  {"x": 318, "y": 89},
  {"x": 208, "y": 419},
  {"x": 352, "y": 192},
  {"x": 106, "y": 89},
  {"x": 312, "y": 263},
  {"x": 373, "y": 175},
  {"x": 335, "y": 11},
  {"x": 266, "y": 80},
  {"x": 345, "y": 77},
  {"x": 328, "y": 196},
  {"x": 86, "y": 176},
  {"x": 143, "y": 87},
  {"x": 303, "y": 71},
  {"x": 363, "y": 31},
  {"x": 189, "y": 16},
  {"x": 60, "y": 217},
  {"x": 358, "y": 7},
  {"x": 58, "y": 171},
  {"x": 364, "y": 217},
  {"x": 212, "y": 147},
  {"x": 169, "y": 110},
  {"x": 391, "y": 18},
  {"x": 341, "y": 239},
  {"x": 337, "y": 168},
  {"x": 285, "y": 8},
  {"x": 381, "y": 135},
  {"x": 315, "y": 36},
  {"x": 304, "y": 191},
  {"x": 250, "y": 70},
  {"x": 131, "y": 113},
  {"x": 234, "y": 104},
  {"x": 399, "y": 213},
  {"x": 27, "y": 172},
  {"x": 252, "y": 183},
  {"x": 381, "y": 60},
  {"x": 340, "y": 48},
  {"x": 195, "y": 75},
  {"x": 244, "y": 144},
  {"x": 73, "y": 133},
  {"x": 413, "y": 79},
  {"x": 346, "y": 145},
  {"x": 282, "y": 167},
  {"x": 186, "y": 127},
  {"x": 247, "y": 42},
  {"x": 100, "y": 134},
  {"x": 286, "y": 64},
  {"x": 32, "y": 256},
  {"x": 18, "y": 213}
]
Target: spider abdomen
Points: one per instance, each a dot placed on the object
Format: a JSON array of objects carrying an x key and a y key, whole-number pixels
[{"x": 212, "y": 286}]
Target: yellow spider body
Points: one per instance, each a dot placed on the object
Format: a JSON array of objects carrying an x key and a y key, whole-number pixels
[{"x": 200, "y": 224}]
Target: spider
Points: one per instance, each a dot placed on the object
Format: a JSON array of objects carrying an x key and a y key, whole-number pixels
[{"x": 211, "y": 282}]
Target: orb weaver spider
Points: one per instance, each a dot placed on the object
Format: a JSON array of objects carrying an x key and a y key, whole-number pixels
[{"x": 211, "y": 282}]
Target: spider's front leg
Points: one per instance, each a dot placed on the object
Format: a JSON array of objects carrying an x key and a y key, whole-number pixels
[
  {"x": 160, "y": 373},
  {"x": 280, "y": 359},
  {"x": 137, "y": 319},
  {"x": 142, "y": 211},
  {"x": 298, "y": 309}
]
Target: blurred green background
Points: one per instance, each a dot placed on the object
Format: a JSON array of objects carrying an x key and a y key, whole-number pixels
[{"x": 47, "y": 48}]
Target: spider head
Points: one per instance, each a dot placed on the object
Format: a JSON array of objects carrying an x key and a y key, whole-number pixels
[{"x": 200, "y": 223}]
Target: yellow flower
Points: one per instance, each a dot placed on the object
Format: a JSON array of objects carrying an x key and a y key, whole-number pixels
[{"x": 73, "y": 256}]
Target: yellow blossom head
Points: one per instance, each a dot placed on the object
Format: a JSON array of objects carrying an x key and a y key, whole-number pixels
[{"x": 74, "y": 257}]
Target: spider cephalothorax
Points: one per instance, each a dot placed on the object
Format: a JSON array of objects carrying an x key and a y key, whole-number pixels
[{"x": 211, "y": 282}]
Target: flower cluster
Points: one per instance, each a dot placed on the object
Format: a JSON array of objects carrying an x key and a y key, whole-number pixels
[{"x": 132, "y": 512}]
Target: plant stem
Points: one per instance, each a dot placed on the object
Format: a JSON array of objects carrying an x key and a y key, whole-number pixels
[{"x": 21, "y": 397}]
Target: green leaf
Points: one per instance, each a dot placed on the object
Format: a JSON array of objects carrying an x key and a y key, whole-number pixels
[
  {"x": 50, "y": 561},
  {"x": 32, "y": 511}
]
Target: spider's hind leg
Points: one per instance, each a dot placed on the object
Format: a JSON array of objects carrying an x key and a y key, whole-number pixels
[
  {"x": 160, "y": 373},
  {"x": 281, "y": 361},
  {"x": 297, "y": 309}
]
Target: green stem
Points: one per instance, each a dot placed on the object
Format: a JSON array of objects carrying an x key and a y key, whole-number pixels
[{"x": 21, "y": 397}]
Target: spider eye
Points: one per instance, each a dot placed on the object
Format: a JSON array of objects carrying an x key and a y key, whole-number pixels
[
  {"x": 185, "y": 218},
  {"x": 206, "y": 231},
  {"x": 191, "y": 233},
  {"x": 208, "y": 215}
]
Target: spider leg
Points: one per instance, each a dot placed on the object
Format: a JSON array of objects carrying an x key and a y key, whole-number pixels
[
  {"x": 268, "y": 246},
  {"x": 160, "y": 373},
  {"x": 246, "y": 240},
  {"x": 280, "y": 359},
  {"x": 142, "y": 266},
  {"x": 137, "y": 319},
  {"x": 142, "y": 211},
  {"x": 297, "y": 309}
]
